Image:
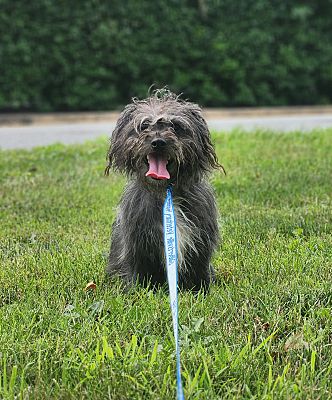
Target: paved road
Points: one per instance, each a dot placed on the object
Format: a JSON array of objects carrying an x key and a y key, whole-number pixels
[{"x": 29, "y": 136}]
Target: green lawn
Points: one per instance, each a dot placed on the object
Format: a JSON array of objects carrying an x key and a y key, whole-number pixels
[{"x": 264, "y": 330}]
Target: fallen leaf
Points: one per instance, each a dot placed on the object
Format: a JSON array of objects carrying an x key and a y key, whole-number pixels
[
  {"x": 90, "y": 286},
  {"x": 296, "y": 342}
]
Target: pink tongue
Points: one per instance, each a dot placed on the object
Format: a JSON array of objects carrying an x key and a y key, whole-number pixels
[{"x": 157, "y": 167}]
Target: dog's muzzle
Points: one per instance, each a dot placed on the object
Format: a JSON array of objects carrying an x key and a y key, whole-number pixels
[{"x": 158, "y": 158}]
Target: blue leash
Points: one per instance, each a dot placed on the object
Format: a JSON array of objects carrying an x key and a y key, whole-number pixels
[{"x": 171, "y": 254}]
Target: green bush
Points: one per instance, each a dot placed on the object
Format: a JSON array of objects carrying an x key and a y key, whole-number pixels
[{"x": 90, "y": 54}]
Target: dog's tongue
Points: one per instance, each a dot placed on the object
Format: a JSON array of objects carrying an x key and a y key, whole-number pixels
[{"x": 157, "y": 167}]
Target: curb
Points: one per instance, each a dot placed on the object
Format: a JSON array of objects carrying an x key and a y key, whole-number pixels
[{"x": 23, "y": 119}]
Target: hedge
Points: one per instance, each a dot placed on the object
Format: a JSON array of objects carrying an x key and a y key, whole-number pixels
[{"x": 96, "y": 55}]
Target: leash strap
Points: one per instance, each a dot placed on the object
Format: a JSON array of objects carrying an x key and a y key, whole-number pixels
[{"x": 170, "y": 244}]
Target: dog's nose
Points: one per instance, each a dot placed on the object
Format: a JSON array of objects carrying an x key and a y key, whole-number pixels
[{"x": 158, "y": 143}]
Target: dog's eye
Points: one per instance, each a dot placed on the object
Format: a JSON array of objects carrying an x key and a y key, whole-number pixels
[
  {"x": 179, "y": 129},
  {"x": 162, "y": 124},
  {"x": 144, "y": 125}
]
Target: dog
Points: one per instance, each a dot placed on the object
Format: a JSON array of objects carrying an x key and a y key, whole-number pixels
[{"x": 161, "y": 141}]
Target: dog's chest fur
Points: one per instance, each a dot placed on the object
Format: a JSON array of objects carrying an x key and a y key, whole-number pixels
[
  {"x": 137, "y": 248},
  {"x": 150, "y": 238},
  {"x": 187, "y": 235}
]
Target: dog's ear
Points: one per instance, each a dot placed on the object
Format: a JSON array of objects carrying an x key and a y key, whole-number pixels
[
  {"x": 118, "y": 142},
  {"x": 207, "y": 156}
]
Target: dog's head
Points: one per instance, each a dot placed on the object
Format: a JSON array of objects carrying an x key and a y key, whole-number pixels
[{"x": 162, "y": 140}]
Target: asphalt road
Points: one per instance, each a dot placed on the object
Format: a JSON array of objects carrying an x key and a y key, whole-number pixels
[{"x": 42, "y": 134}]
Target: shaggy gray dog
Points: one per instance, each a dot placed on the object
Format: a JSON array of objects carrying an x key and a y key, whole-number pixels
[{"x": 157, "y": 142}]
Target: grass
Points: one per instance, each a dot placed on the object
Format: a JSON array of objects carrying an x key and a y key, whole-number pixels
[{"x": 264, "y": 330}]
